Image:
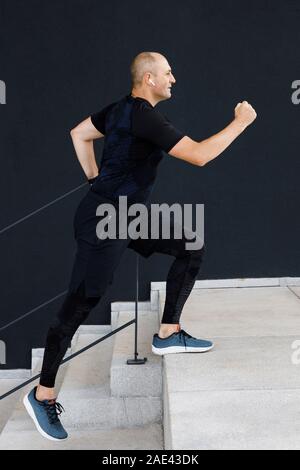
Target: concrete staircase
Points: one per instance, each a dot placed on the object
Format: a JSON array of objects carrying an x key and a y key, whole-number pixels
[
  {"x": 245, "y": 393},
  {"x": 109, "y": 404}
]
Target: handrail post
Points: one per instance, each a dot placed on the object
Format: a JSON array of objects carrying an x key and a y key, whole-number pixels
[{"x": 136, "y": 360}]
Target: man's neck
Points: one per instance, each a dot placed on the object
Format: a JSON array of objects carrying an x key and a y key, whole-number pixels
[{"x": 137, "y": 94}]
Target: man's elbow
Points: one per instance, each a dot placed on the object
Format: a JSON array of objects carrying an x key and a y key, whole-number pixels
[
  {"x": 201, "y": 161},
  {"x": 76, "y": 134},
  {"x": 73, "y": 132},
  {"x": 199, "y": 154}
]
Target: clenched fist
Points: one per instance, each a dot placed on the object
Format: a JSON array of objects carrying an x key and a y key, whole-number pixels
[{"x": 244, "y": 113}]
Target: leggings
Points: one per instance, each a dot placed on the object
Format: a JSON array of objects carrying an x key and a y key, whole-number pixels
[{"x": 77, "y": 306}]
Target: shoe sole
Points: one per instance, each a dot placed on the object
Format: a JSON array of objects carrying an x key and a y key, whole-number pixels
[
  {"x": 179, "y": 349},
  {"x": 31, "y": 413}
]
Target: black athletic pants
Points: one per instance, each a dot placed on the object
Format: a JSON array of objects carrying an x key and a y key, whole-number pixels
[{"x": 77, "y": 304}]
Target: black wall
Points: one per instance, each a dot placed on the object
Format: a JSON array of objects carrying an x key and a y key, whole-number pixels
[{"x": 64, "y": 59}]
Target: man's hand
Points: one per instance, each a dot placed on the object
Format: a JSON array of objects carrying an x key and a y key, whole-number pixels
[
  {"x": 244, "y": 114},
  {"x": 200, "y": 153},
  {"x": 91, "y": 181}
]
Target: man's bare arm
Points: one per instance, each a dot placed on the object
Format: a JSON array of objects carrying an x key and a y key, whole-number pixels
[
  {"x": 83, "y": 137},
  {"x": 200, "y": 153}
]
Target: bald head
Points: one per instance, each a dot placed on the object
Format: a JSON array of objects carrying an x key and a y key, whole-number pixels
[
  {"x": 143, "y": 63},
  {"x": 151, "y": 77}
]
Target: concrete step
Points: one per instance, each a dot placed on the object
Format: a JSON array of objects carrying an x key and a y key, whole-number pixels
[
  {"x": 143, "y": 380},
  {"x": 93, "y": 419},
  {"x": 236, "y": 312},
  {"x": 135, "y": 438},
  {"x": 12, "y": 412},
  {"x": 244, "y": 394},
  {"x": 86, "y": 393},
  {"x": 7, "y": 405}
]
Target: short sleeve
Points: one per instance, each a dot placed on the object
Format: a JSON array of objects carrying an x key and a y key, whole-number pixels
[
  {"x": 98, "y": 119},
  {"x": 151, "y": 125}
]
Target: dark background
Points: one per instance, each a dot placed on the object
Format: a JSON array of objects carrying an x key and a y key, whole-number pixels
[{"x": 65, "y": 59}]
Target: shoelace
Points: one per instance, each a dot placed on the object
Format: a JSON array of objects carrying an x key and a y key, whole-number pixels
[
  {"x": 53, "y": 411},
  {"x": 183, "y": 335}
]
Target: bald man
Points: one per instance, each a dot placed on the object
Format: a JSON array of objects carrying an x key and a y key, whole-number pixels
[{"x": 136, "y": 137}]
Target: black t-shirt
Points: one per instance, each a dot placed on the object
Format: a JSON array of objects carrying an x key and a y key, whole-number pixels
[
  {"x": 135, "y": 136},
  {"x": 147, "y": 123}
]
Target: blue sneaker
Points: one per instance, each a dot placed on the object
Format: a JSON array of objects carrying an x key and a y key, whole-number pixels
[
  {"x": 45, "y": 416},
  {"x": 179, "y": 342}
]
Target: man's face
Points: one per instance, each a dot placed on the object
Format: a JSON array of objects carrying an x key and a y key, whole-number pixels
[{"x": 163, "y": 79}]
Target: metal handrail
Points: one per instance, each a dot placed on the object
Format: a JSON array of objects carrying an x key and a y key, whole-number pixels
[
  {"x": 134, "y": 361},
  {"x": 27, "y": 314},
  {"x": 8, "y": 227},
  {"x": 68, "y": 358}
]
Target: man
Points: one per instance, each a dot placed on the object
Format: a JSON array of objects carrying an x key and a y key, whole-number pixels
[{"x": 136, "y": 134}]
